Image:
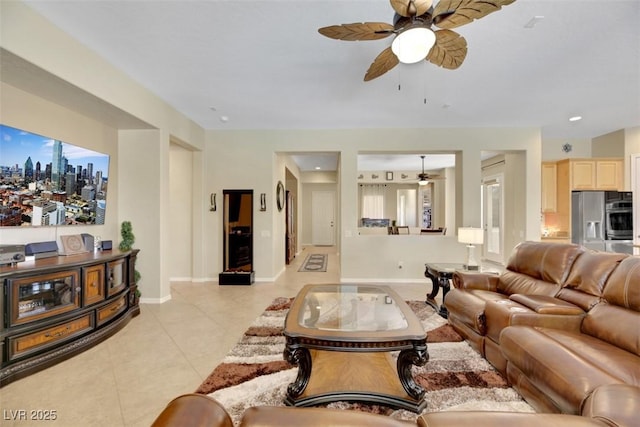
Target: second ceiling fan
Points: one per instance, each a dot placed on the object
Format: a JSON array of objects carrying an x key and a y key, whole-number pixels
[
  {"x": 424, "y": 178},
  {"x": 415, "y": 38}
]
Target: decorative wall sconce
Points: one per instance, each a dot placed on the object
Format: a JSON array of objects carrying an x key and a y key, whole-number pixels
[
  {"x": 212, "y": 200},
  {"x": 263, "y": 202}
]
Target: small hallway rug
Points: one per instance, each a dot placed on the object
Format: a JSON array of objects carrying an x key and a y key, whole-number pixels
[
  {"x": 314, "y": 263},
  {"x": 455, "y": 377}
]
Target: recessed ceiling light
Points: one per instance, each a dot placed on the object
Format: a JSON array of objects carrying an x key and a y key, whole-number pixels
[
  {"x": 575, "y": 118},
  {"x": 224, "y": 119},
  {"x": 318, "y": 168}
]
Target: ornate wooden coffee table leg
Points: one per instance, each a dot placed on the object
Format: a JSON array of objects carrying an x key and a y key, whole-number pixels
[
  {"x": 417, "y": 356},
  {"x": 297, "y": 356}
]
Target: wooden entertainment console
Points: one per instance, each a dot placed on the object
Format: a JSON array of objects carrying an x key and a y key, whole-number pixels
[{"x": 54, "y": 308}]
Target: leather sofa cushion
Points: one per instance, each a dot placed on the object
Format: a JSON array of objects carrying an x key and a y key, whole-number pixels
[
  {"x": 615, "y": 325},
  {"x": 582, "y": 300},
  {"x": 518, "y": 283},
  {"x": 622, "y": 287},
  {"x": 591, "y": 271},
  {"x": 549, "y": 262},
  {"x": 567, "y": 366}
]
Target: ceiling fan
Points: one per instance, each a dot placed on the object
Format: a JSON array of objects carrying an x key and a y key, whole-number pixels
[
  {"x": 415, "y": 39},
  {"x": 424, "y": 178}
]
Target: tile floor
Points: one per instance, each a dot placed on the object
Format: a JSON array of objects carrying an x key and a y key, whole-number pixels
[{"x": 167, "y": 350}]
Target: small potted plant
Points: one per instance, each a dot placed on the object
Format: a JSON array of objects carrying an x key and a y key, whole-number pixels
[
  {"x": 126, "y": 231},
  {"x": 128, "y": 239}
]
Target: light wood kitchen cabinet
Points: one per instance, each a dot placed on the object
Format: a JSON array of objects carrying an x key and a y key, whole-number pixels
[
  {"x": 549, "y": 187},
  {"x": 609, "y": 175},
  {"x": 597, "y": 174}
]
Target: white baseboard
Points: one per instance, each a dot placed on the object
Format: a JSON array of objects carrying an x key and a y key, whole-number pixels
[{"x": 155, "y": 300}]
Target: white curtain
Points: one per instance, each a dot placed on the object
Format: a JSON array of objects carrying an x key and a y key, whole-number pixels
[{"x": 373, "y": 201}]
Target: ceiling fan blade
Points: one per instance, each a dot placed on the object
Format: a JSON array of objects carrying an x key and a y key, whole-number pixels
[
  {"x": 449, "y": 51},
  {"x": 383, "y": 63},
  {"x": 358, "y": 31},
  {"x": 455, "y": 13},
  {"x": 409, "y": 8}
]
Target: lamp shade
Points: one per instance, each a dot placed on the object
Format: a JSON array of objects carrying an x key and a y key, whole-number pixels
[
  {"x": 471, "y": 235},
  {"x": 413, "y": 44}
]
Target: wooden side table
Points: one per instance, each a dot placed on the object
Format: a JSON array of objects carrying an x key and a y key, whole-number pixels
[{"x": 440, "y": 274}]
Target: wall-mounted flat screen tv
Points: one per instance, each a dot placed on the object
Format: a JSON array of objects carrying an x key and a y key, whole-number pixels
[{"x": 47, "y": 182}]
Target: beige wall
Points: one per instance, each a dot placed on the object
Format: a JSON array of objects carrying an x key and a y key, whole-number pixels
[
  {"x": 552, "y": 149},
  {"x": 608, "y": 145},
  {"x": 360, "y": 258},
  {"x": 180, "y": 213},
  {"x": 140, "y": 168}
]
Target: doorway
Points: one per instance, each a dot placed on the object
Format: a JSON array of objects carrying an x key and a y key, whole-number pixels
[
  {"x": 323, "y": 218},
  {"x": 635, "y": 188},
  {"x": 291, "y": 241},
  {"x": 493, "y": 215}
]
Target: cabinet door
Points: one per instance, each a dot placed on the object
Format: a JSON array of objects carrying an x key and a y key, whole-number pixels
[
  {"x": 42, "y": 296},
  {"x": 608, "y": 175},
  {"x": 583, "y": 175},
  {"x": 93, "y": 284},
  {"x": 549, "y": 187},
  {"x": 116, "y": 276}
]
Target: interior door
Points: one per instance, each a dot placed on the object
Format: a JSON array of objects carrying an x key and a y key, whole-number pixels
[
  {"x": 323, "y": 218},
  {"x": 492, "y": 201},
  {"x": 291, "y": 229}
]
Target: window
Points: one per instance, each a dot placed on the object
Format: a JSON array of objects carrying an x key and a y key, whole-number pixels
[{"x": 373, "y": 201}]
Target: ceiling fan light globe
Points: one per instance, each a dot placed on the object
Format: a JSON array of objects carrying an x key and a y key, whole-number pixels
[
  {"x": 413, "y": 44},
  {"x": 423, "y": 182}
]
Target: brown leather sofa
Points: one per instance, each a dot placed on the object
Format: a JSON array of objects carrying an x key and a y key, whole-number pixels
[
  {"x": 561, "y": 321},
  {"x": 611, "y": 406}
]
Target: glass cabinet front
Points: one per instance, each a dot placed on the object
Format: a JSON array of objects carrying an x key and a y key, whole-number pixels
[
  {"x": 116, "y": 276},
  {"x": 37, "y": 297}
]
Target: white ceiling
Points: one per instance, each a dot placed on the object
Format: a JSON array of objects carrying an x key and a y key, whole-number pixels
[{"x": 263, "y": 65}]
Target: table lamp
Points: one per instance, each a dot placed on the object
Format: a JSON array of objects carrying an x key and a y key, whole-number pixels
[{"x": 471, "y": 236}]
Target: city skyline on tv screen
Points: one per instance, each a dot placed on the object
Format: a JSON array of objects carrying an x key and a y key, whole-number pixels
[{"x": 48, "y": 182}]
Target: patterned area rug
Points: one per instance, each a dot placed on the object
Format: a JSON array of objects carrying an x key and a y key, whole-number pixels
[
  {"x": 455, "y": 377},
  {"x": 314, "y": 263}
]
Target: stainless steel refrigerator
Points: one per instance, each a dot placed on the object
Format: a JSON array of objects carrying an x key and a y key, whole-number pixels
[
  {"x": 588, "y": 222},
  {"x": 587, "y": 219}
]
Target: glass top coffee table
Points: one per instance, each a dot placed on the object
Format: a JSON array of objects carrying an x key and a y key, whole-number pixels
[{"x": 341, "y": 338}]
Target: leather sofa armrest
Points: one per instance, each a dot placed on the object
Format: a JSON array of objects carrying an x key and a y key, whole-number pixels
[
  {"x": 502, "y": 419},
  {"x": 613, "y": 405},
  {"x": 543, "y": 304},
  {"x": 481, "y": 281},
  {"x": 193, "y": 410}
]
